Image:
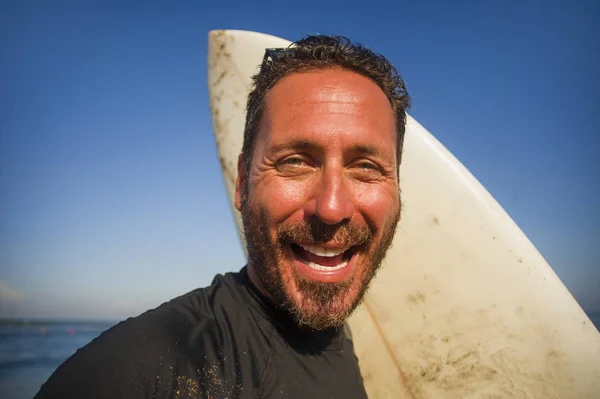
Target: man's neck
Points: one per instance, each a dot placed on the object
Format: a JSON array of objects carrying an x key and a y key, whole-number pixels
[
  {"x": 255, "y": 280},
  {"x": 301, "y": 338}
]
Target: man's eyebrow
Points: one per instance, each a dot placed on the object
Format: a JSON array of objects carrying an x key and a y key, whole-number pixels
[
  {"x": 365, "y": 149},
  {"x": 306, "y": 145},
  {"x": 296, "y": 144}
]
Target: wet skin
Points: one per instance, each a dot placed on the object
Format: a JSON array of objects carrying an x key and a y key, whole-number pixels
[{"x": 325, "y": 152}]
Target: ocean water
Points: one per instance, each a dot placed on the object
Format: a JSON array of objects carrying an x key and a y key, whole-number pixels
[{"x": 30, "y": 352}]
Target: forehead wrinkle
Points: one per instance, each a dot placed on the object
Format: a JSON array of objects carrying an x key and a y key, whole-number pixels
[
  {"x": 338, "y": 94},
  {"x": 304, "y": 110},
  {"x": 335, "y": 96},
  {"x": 330, "y": 107}
]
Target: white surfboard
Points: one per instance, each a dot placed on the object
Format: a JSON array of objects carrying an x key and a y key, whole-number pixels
[{"x": 464, "y": 306}]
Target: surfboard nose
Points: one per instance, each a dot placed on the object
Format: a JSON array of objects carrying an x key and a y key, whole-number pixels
[
  {"x": 217, "y": 49},
  {"x": 234, "y": 56}
]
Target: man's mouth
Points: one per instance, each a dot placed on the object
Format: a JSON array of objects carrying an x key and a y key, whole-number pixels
[{"x": 323, "y": 258}]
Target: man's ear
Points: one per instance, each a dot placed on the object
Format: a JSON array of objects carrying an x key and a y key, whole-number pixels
[{"x": 239, "y": 183}]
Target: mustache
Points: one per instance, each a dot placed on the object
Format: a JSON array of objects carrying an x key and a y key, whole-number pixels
[{"x": 314, "y": 231}]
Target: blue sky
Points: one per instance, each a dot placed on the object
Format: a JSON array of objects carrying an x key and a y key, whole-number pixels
[{"x": 111, "y": 199}]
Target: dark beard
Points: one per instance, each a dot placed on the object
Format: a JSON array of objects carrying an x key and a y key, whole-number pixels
[{"x": 323, "y": 305}]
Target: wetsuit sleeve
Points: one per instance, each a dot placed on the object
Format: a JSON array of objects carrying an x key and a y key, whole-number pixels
[{"x": 131, "y": 360}]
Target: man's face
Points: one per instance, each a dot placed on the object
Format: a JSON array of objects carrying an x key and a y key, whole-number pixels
[{"x": 320, "y": 201}]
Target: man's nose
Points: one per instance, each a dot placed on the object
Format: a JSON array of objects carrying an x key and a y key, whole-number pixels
[{"x": 333, "y": 203}]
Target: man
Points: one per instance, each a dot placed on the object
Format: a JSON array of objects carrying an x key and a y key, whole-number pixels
[{"x": 320, "y": 199}]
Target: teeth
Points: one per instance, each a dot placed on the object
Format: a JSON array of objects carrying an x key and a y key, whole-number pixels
[
  {"x": 325, "y": 252},
  {"x": 316, "y": 266}
]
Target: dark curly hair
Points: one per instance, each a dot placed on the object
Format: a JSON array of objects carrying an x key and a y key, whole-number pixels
[{"x": 324, "y": 52}]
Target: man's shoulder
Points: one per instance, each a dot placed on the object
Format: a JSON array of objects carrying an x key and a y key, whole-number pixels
[
  {"x": 142, "y": 353},
  {"x": 223, "y": 295},
  {"x": 198, "y": 311}
]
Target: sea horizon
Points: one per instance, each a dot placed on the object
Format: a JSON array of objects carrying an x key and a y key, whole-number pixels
[{"x": 42, "y": 320}]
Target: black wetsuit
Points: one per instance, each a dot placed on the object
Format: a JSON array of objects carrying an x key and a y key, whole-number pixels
[{"x": 223, "y": 341}]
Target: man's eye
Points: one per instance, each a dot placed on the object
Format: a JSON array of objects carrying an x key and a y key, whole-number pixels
[
  {"x": 293, "y": 165},
  {"x": 366, "y": 171},
  {"x": 294, "y": 161},
  {"x": 367, "y": 165}
]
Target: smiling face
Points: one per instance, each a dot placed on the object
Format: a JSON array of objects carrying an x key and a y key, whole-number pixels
[{"x": 320, "y": 201}]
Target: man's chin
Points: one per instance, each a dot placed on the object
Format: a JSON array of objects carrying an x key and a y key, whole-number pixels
[
  {"x": 320, "y": 305},
  {"x": 319, "y": 316}
]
